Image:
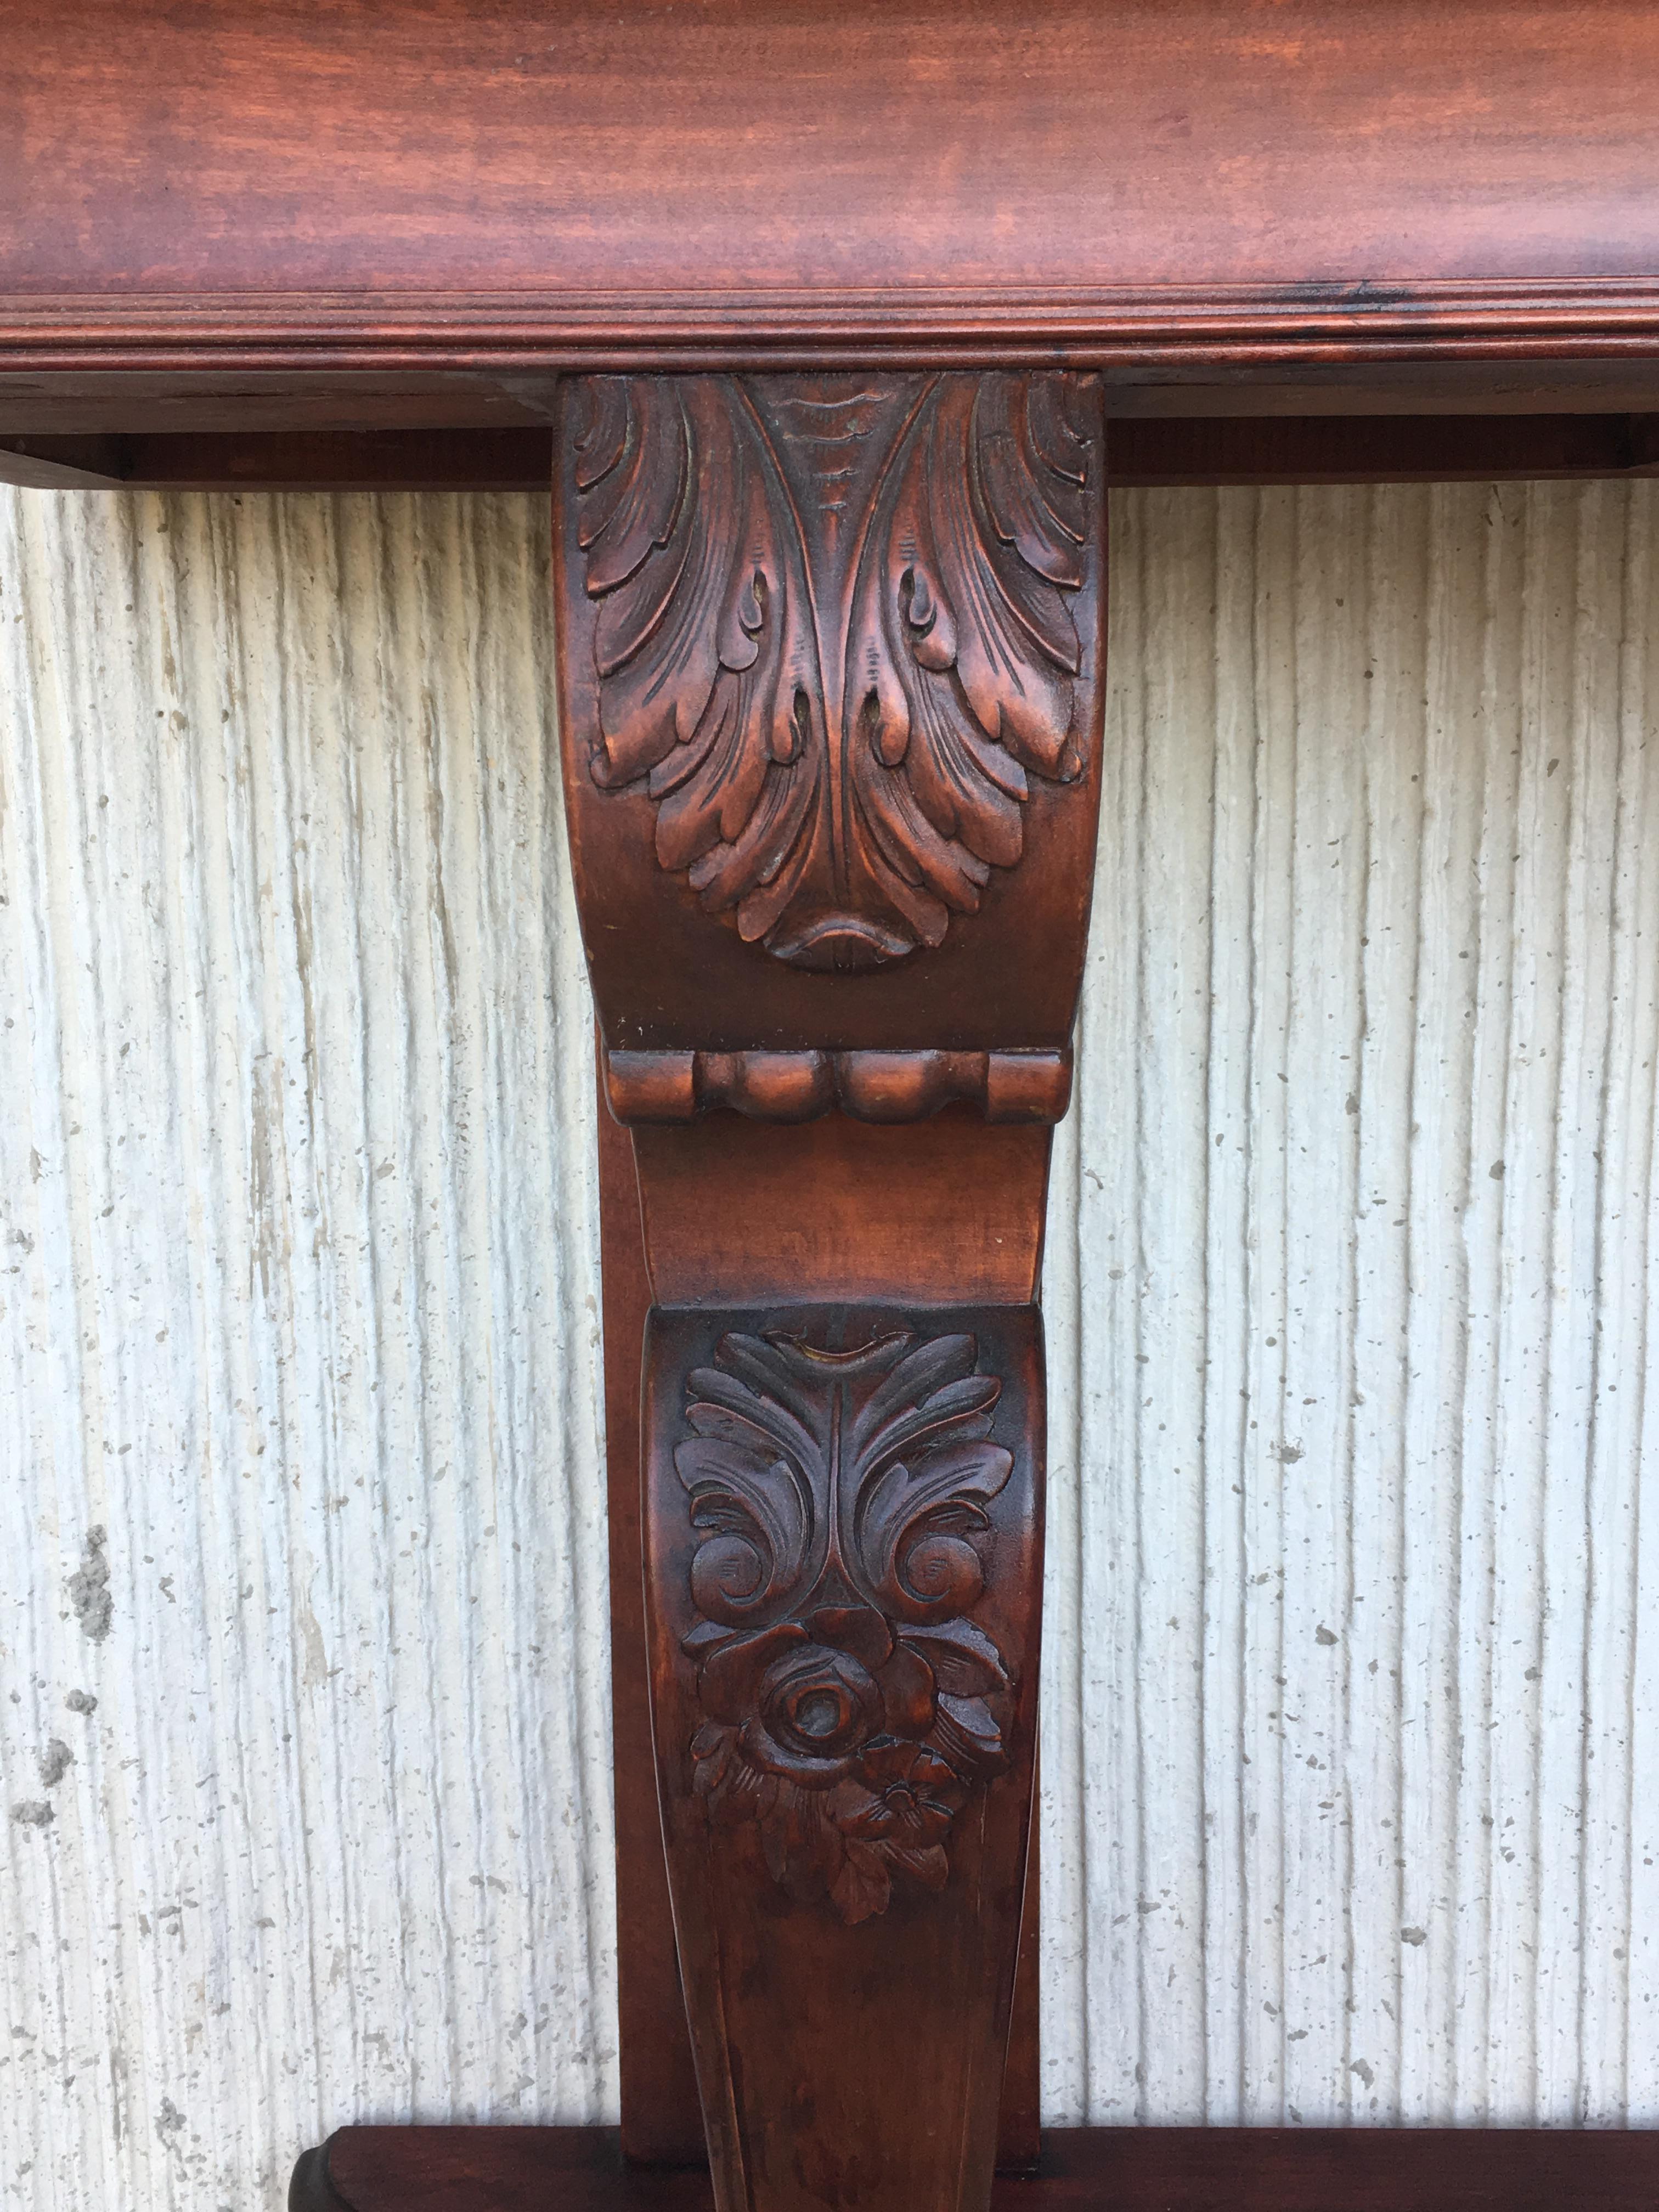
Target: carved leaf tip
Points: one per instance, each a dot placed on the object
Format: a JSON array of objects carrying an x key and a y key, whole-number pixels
[{"x": 963, "y": 666}]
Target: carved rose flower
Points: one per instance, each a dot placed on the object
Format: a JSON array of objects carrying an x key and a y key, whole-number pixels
[
  {"x": 815, "y": 1730},
  {"x": 805, "y": 1696},
  {"x": 847, "y": 1701}
]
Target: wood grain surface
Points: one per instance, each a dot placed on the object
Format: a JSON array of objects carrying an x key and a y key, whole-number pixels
[
  {"x": 437, "y": 147},
  {"x": 735, "y": 1209},
  {"x": 843, "y": 1592},
  {"x": 830, "y": 665},
  {"x": 831, "y": 691},
  {"x": 446, "y": 203},
  {"x": 1083, "y": 2170},
  {"x": 661, "y": 2117}
]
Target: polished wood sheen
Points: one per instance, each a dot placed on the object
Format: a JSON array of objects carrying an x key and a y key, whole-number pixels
[
  {"x": 830, "y": 665},
  {"x": 661, "y": 2118},
  {"x": 829, "y": 655},
  {"x": 356, "y": 215},
  {"x": 949, "y": 1206},
  {"x": 843, "y": 1591},
  {"x": 1083, "y": 2170},
  {"x": 433, "y": 147},
  {"x": 830, "y": 327}
]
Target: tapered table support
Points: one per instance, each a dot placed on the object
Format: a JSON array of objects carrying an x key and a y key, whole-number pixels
[{"x": 830, "y": 664}]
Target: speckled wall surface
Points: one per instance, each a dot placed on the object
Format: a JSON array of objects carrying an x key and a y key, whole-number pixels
[
  {"x": 1352, "y": 1271},
  {"x": 1350, "y": 1757},
  {"x": 300, "y": 1347}
]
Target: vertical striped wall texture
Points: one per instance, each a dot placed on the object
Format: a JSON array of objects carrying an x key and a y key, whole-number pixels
[
  {"x": 1353, "y": 1787},
  {"x": 299, "y": 1443},
  {"x": 1350, "y": 1763}
]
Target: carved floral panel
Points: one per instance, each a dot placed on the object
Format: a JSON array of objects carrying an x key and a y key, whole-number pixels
[
  {"x": 834, "y": 635},
  {"x": 849, "y": 1703}
]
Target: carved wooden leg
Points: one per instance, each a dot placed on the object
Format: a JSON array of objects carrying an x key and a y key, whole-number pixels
[
  {"x": 844, "y": 1595},
  {"x": 829, "y": 665}
]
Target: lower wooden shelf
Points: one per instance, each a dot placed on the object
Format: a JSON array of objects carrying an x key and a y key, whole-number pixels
[{"x": 522, "y": 2169}]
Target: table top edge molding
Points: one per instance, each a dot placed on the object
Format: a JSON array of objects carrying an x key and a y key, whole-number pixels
[{"x": 1133, "y": 327}]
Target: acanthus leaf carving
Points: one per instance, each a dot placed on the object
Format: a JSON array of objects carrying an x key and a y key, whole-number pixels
[
  {"x": 834, "y": 637},
  {"x": 848, "y": 1705}
]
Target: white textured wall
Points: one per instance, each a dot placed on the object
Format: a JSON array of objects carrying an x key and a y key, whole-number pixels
[
  {"x": 1348, "y": 1785},
  {"x": 1353, "y": 1785},
  {"x": 297, "y": 1305}
]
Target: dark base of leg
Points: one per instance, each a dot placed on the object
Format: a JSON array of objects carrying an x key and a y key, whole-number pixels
[{"x": 310, "y": 2190}]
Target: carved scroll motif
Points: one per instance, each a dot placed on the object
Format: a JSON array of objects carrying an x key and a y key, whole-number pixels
[
  {"x": 834, "y": 637},
  {"x": 850, "y": 1704}
]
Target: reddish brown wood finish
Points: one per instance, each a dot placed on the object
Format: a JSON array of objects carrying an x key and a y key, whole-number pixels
[
  {"x": 831, "y": 702},
  {"x": 661, "y": 2117},
  {"x": 829, "y": 654},
  {"x": 1380, "y": 448},
  {"x": 435, "y": 147},
  {"x": 1083, "y": 2170},
  {"x": 1193, "y": 451},
  {"x": 310, "y": 410},
  {"x": 263, "y": 460},
  {"x": 447, "y": 203},
  {"x": 832, "y": 713},
  {"x": 844, "y": 1598},
  {"x": 949, "y": 1209},
  {"x": 1020, "y": 2126},
  {"x": 666, "y": 1088}
]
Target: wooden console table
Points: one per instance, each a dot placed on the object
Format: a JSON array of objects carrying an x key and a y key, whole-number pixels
[{"x": 829, "y": 327}]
